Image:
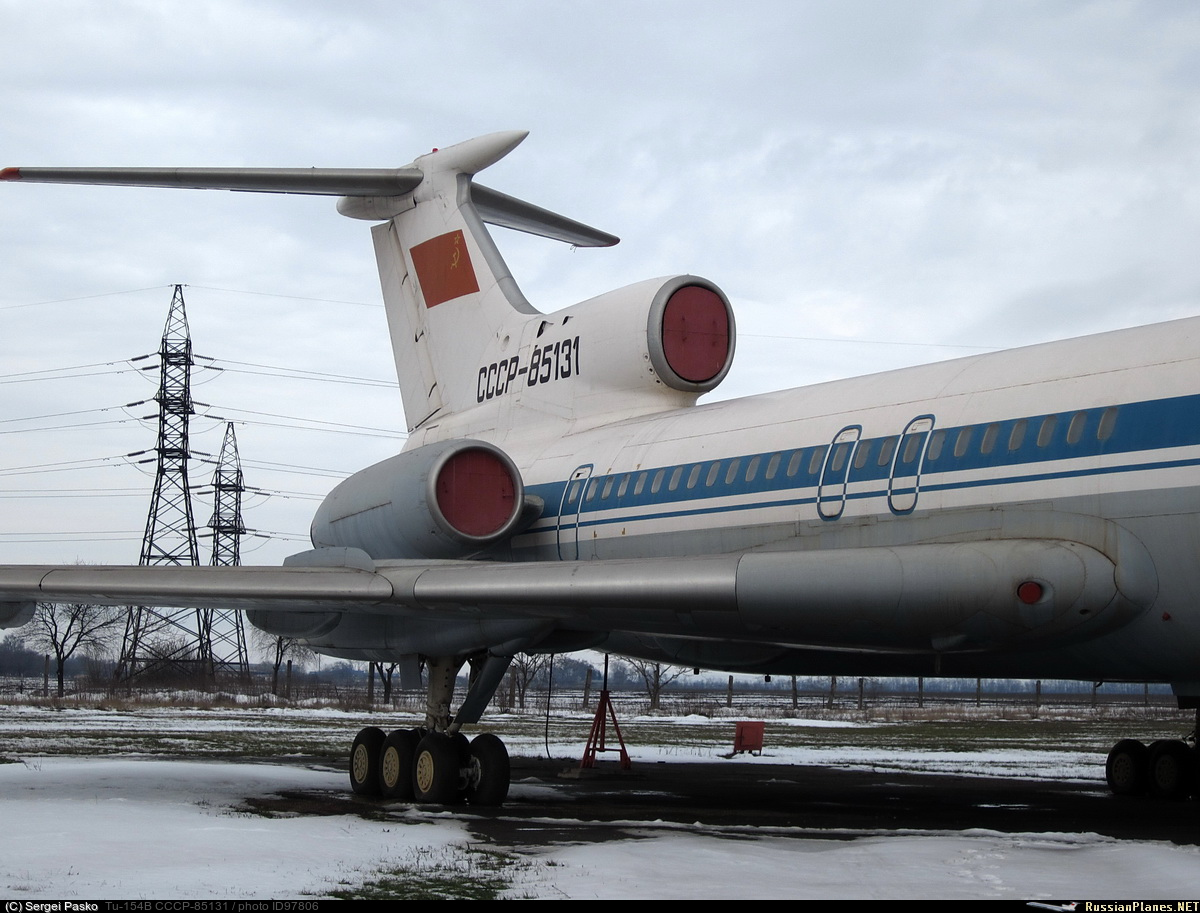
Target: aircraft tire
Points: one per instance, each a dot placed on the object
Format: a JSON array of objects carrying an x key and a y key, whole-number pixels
[
  {"x": 364, "y": 761},
  {"x": 1171, "y": 769},
  {"x": 1127, "y": 767},
  {"x": 490, "y": 771},
  {"x": 436, "y": 770},
  {"x": 396, "y": 764}
]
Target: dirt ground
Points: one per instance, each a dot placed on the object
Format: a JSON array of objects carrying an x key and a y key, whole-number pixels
[{"x": 546, "y": 808}]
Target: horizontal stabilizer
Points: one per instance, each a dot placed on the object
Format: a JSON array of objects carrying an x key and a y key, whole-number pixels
[
  {"x": 498, "y": 208},
  {"x": 318, "y": 181},
  {"x": 494, "y": 207}
]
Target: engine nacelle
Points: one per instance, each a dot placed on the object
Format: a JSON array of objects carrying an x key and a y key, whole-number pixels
[
  {"x": 448, "y": 499},
  {"x": 690, "y": 334},
  {"x": 671, "y": 338},
  {"x": 16, "y": 614}
]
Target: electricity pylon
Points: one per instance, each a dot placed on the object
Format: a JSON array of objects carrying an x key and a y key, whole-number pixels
[
  {"x": 227, "y": 633},
  {"x": 176, "y": 641}
]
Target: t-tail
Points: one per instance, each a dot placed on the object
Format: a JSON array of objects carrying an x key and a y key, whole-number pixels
[
  {"x": 453, "y": 307},
  {"x": 469, "y": 348}
]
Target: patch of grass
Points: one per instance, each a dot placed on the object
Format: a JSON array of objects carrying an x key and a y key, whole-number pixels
[{"x": 452, "y": 873}]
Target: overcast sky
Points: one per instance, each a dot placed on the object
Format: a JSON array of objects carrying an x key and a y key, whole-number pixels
[{"x": 874, "y": 184}]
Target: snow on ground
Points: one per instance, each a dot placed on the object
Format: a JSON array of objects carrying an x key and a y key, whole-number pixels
[
  {"x": 143, "y": 829},
  {"x": 89, "y": 829}
]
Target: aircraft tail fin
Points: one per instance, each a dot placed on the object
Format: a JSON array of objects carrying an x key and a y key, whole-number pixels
[{"x": 451, "y": 302}]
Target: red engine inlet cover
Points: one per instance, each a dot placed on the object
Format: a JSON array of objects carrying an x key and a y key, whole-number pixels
[
  {"x": 695, "y": 333},
  {"x": 475, "y": 492}
]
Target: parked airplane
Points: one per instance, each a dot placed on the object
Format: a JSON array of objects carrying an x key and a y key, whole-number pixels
[{"x": 1028, "y": 513}]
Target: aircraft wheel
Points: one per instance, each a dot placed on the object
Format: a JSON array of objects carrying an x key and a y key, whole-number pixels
[
  {"x": 364, "y": 761},
  {"x": 436, "y": 770},
  {"x": 1126, "y": 768},
  {"x": 396, "y": 764},
  {"x": 1171, "y": 769},
  {"x": 488, "y": 771}
]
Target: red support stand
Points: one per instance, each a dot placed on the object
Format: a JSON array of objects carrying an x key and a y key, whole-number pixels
[{"x": 596, "y": 741}]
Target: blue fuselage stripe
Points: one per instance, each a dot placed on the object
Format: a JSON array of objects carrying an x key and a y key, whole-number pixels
[{"x": 1131, "y": 430}]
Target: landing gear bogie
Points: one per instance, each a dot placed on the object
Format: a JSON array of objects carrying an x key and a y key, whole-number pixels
[{"x": 1167, "y": 769}]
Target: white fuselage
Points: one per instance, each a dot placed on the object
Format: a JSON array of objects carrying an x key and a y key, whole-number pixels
[{"x": 1091, "y": 440}]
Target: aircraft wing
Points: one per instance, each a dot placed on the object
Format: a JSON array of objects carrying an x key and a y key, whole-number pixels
[{"x": 969, "y": 595}]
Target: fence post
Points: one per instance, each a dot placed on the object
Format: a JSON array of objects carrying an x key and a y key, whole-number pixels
[{"x": 729, "y": 693}]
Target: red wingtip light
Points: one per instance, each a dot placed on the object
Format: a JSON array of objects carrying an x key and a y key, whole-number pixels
[
  {"x": 10, "y": 174},
  {"x": 1030, "y": 592}
]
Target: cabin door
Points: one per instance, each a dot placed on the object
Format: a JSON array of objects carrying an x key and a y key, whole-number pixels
[
  {"x": 569, "y": 509},
  {"x": 835, "y": 472},
  {"x": 904, "y": 484}
]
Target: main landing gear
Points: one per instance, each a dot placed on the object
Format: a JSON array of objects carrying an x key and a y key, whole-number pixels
[
  {"x": 436, "y": 764},
  {"x": 1165, "y": 769}
]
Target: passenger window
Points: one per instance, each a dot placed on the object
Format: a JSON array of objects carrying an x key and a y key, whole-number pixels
[
  {"x": 1108, "y": 423},
  {"x": 752, "y": 469},
  {"x": 608, "y": 484},
  {"x": 839, "y": 457},
  {"x": 818, "y": 457},
  {"x": 693, "y": 476},
  {"x": 886, "y": 449},
  {"x": 864, "y": 451},
  {"x": 990, "y": 433},
  {"x": 911, "y": 448},
  {"x": 640, "y": 485},
  {"x": 1017, "y": 437},
  {"x": 773, "y": 465},
  {"x": 963, "y": 442},
  {"x": 624, "y": 486},
  {"x": 732, "y": 473},
  {"x": 936, "y": 440},
  {"x": 675, "y": 477},
  {"x": 1046, "y": 433},
  {"x": 1075, "y": 429},
  {"x": 573, "y": 494},
  {"x": 713, "y": 472},
  {"x": 794, "y": 463},
  {"x": 592, "y": 489},
  {"x": 656, "y": 485}
]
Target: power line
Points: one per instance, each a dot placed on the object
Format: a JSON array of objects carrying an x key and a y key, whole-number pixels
[{"x": 31, "y": 304}]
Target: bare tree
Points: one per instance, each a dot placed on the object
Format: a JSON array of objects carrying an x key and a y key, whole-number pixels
[
  {"x": 656, "y": 677},
  {"x": 524, "y": 669},
  {"x": 65, "y": 628},
  {"x": 278, "y": 650},
  {"x": 385, "y": 671}
]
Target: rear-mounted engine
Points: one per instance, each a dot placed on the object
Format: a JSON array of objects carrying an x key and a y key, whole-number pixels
[
  {"x": 444, "y": 500},
  {"x": 690, "y": 334}
]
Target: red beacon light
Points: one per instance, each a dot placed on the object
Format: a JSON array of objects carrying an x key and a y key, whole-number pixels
[{"x": 1030, "y": 592}]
